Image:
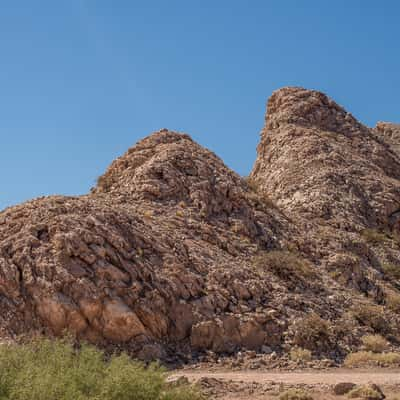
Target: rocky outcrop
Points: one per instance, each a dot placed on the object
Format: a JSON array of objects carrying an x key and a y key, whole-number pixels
[
  {"x": 160, "y": 249},
  {"x": 173, "y": 254},
  {"x": 336, "y": 177},
  {"x": 315, "y": 160},
  {"x": 390, "y": 134}
]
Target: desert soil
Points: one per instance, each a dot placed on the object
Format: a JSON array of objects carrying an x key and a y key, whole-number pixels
[
  {"x": 243, "y": 385},
  {"x": 380, "y": 377}
]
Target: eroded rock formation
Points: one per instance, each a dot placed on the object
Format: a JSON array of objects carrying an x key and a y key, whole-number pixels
[{"x": 172, "y": 253}]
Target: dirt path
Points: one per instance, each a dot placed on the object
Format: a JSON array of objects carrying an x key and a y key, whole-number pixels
[{"x": 380, "y": 377}]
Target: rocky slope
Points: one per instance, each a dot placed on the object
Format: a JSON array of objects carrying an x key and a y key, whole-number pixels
[{"x": 172, "y": 254}]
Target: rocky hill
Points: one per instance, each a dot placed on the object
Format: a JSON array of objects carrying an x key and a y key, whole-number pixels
[{"x": 173, "y": 254}]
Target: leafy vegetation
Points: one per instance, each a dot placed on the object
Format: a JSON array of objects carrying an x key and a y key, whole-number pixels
[{"x": 47, "y": 369}]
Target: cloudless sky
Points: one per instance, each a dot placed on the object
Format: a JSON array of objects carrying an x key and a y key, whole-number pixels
[{"x": 82, "y": 81}]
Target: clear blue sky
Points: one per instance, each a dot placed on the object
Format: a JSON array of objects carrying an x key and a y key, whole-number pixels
[{"x": 81, "y": 81}]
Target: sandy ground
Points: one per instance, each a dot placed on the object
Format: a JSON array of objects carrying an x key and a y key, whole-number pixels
[
  {"x": 268, "y": 385},
  {"x": 380, "y": 377}
]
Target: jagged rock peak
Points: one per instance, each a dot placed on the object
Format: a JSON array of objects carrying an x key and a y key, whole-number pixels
[
  {"x": 169, "y": 166},
  {"x": 312, "y": 154},
  {"x": 296, "y": 105},
  {"x": 121, "y": 175}
]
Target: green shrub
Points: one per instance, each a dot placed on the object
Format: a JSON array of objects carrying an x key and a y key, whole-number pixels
[
  {"x": 374, "y": 343},
  {"x": 47, "y": 369},
  {"x": 299, "y": 354},
  {"x": 295, "y": 394}
]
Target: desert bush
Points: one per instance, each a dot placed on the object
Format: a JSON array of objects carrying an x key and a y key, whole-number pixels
[
  {"x": 299, "y": 354},
  {"x": 389, "y": 358},
  {"x": 373, "y": 236},
  {"x": 252, "y": 185},
  {"x": 359, "y": 358},
  {"x": 371, "y": 315},
  {"x": 393, "y": 301},
  {"x": 295, "y": 394},
  {"x": 312, "y": 333},
  {"x": 148, "y": 214},
  {"x": 288, "y": 266},
  {"x": 374, "y": 343},
  {"x": 47, "y": 369},
  {"x": 391, "y": 271},
  {"x": 362, "y": 358},
  {"x": 259, "y": 197},
  {"x": 336, "y": 274},
  {"x": 365, "y": 392},
  {"x": 104, "y": 182}
]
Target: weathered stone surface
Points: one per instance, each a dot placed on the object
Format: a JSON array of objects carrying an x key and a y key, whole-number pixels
[
  {"x": 390, "y": 134},
  {"x": 165, "y": 255},
  {"x": 343, "y": 387},
  {"x": 316, "y": 161},
  {"x": 338, "y": 179}
]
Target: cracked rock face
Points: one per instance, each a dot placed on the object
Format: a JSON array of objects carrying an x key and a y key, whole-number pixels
[
  {"x": 317, "y": 161},
  {"x": 390, "y": 134},
  {"x": 173, "y": 254}
]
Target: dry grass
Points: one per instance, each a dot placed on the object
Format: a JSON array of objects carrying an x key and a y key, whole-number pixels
[
  {"x": 375, "y": 343},
  {"x": 372, "y": 316},
  {"x": 364, "y": 392},
  {"x": 299, "y": 354},
  {"x": 393, "y": 301},
  {"x": 259, "y": 197},
  {"x": 104, "y": 182},
  {"x": 295, "y": 394},
  {"x": 312, "y": 333},
  {"x": 391, "y": 271},
  {"x": 288, "y": 266},
  {"x": 374, "y": 237},
  {"x": 252, "y": 185},
  {"x": 148, "y": 214},
  {"x": 365, "y": 358}
]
